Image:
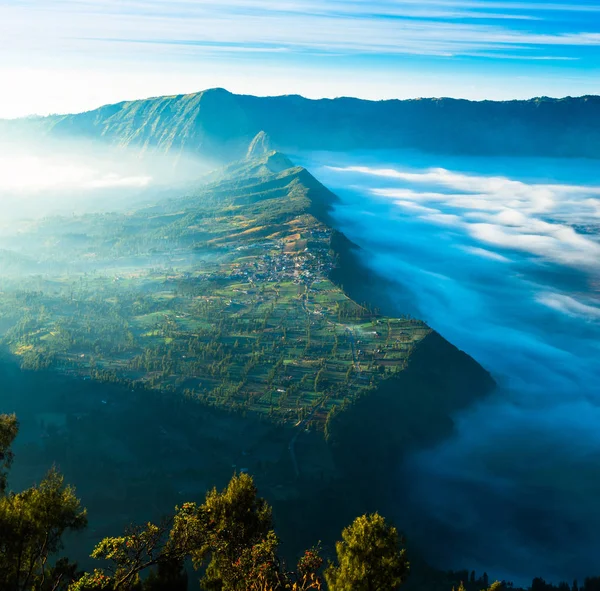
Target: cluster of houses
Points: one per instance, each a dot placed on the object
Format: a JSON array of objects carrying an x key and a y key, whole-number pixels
[{"x": 277, "y": 264}]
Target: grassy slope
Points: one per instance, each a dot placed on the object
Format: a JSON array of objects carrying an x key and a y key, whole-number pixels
[{"x": 223, "y": 295}]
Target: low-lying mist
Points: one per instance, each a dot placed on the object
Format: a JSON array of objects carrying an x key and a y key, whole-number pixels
[
  {"x": 502, "y": 257},
  {"x": 41, "y": 176}
]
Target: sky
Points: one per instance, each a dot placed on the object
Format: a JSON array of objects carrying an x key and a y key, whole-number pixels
[{"x": 59, "y": 56}]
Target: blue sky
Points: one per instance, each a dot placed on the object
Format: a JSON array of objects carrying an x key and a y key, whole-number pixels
[{"x": 71, "y": 55}]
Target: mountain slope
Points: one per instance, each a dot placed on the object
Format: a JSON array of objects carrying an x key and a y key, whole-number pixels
[
  {"x": 216, "y": 123},
  {"x": 223, "y": 294},
  {"x": 206, "y": 333}
]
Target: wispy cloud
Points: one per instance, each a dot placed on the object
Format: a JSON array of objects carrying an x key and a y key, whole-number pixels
[
  {"x": 320, "y": 48},
  {"x": 569, "y": 305},
  {"x": 433, "y": 28},
  {"x": 486, "y": 254}
]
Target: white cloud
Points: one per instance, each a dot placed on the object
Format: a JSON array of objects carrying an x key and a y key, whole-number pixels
[
  {"x": 569, "y": 305},
  {"x": 444, "y": 219},
  {"x": 533, "y": 218},
  {"x": 487, "y": 254},
  {"x": 409, "y": 205}
]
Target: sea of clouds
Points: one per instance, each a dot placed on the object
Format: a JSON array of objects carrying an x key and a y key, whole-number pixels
[{"x": 502, "y": 257}]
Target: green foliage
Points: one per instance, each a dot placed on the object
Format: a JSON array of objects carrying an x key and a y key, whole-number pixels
[
  {"x": 229, "y": 536},
  {"x": 96, "y": 581},
  {"x": 258, "y": 562},
  {"x": 130, "y": 554},
  {"x": 32, "y": 524},
  {"x": 238, "y": 520},
  {"x": 249, "y": 288},
  {"x": 369, "y": 557},
  {"x": 9, "y": 428},
  {"x": 160, "y": 550}
]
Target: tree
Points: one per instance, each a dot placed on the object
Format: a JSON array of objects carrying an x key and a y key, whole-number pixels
[
  {"x": 9, "y": 427},
  {"x": 61, "y": 576},
  {"x": 238, "y": 520},
  {"x": 230, "y": 534},
  {"x": 160, "y": 550},
  {"x": 329, "y": 422},
  {"x": 318, "y": 380},
  {"x": 32, "y": 524},
  {"x": 138, "y": 550},
  {"x": 369, "y": 557}
]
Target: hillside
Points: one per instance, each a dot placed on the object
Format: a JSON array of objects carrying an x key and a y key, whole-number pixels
[
  {"x": 216, "y": 123},
  {"x": 223, "y": 295}
]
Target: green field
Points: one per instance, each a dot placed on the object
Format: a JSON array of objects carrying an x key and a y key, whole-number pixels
[{"x": 222, "y": 296}]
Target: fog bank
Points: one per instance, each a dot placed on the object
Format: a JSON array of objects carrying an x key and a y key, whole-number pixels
[
  {"x": 502, "y": 257},
  {"x": 40, "y": 177}
]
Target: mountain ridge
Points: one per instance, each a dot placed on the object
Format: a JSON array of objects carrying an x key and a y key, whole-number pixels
[
  {"x": 255, "y": 242},
  {"x": 218, "y": 89},
  {"x": 221, "y": 125}
]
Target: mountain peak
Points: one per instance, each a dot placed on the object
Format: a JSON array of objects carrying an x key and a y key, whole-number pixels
[
  {"x": 259, "y": 146},
  {"x": 217, "y": 91},
  {"x": 277, "y": 162}
]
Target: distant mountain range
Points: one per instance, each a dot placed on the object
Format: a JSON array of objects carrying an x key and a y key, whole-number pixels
[{"x": 219, "y": 124}]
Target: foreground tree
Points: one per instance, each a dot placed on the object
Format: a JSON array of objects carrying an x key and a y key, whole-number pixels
[
  {"x": 9, "y": 427},
  {"x": 238, "y": 520},
  {"x": 139, "y": 550},
  {"x": 369, "y": 557},
  {"x": 229, "y": 537},
  {"x": 32, "y": 524}
]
